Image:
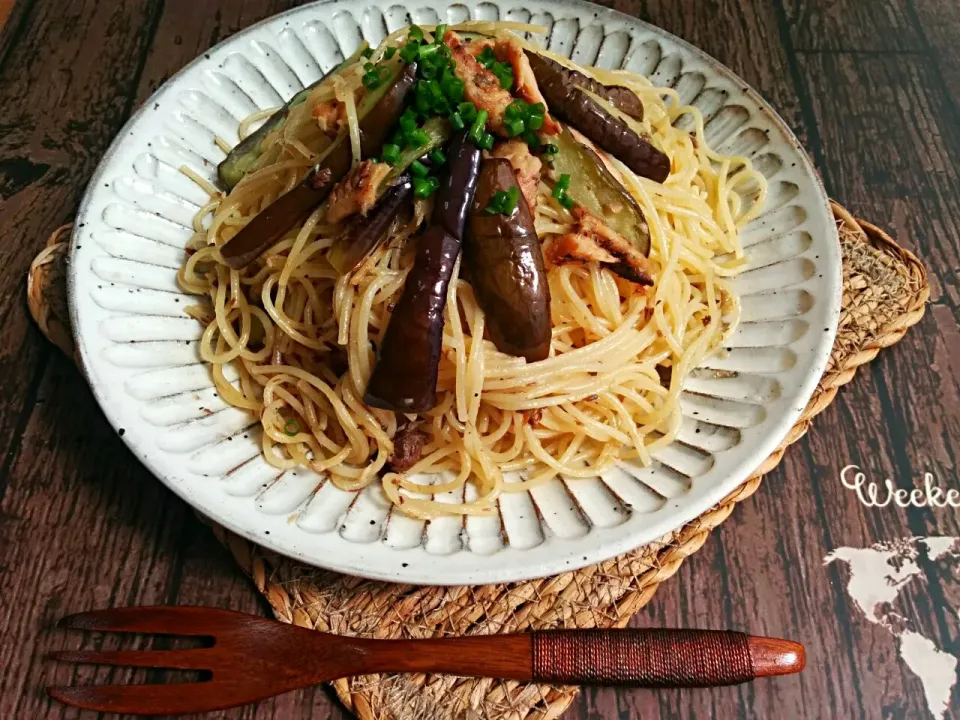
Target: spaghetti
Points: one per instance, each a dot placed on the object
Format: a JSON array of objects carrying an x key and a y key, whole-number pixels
[{"x": 301, "y": 338}]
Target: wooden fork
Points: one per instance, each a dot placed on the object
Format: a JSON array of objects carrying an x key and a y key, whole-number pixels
[{"x": 253, "y": 658}]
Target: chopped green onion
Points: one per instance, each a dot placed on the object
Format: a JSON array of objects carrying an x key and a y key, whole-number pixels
[
  {"x": 504, "y": 202},
  {"x": 408, "y": 53},
  {"x": 419, "y": 169},
  {"x": 408, "y": 121},
  {"x": 422, "y": 102},
  {"x": 486, "y": 142},
  {"x": 425, "y": 186},
  {"x": 486, "y": 57},
  {"x": 530, "y": 115},
  {"x": 437, "y": 157},
  {"x": 390, "y": 153},
  {"x": 446, "y": 53},
  {"x": 368, "y": 66},
  {"x": 550, "y": 149},
  {"x": 375, "y": 76},
  {"x": 291, "y": 427},
  {"x": 433, "y": 88},
  {"x": 468, "y": 111},
  {"x": 418, "y": 137},
  {"x": 438, "y": 92},
  {"x": 388, "y": 55},
  {"x": 424, "y": 98},
  {"x": 504, "y": 74},
  {"x": 477, "y": 127},
  {"x": 560, "y": 191},
  {"x": 367, "y": 52},
  {"x": 427, "y": 50},
  {"x": 452, "y": 86},
  {"x": 517, "y": 110},
  {"x": 514, "y": 127},
  {"x": 399, "y": 139}
]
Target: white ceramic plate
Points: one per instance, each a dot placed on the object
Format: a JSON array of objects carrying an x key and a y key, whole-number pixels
[{"x": 139, "y": 350}]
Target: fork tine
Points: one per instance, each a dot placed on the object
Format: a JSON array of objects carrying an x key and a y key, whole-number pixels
[
  {"x": 173, "y": 699},
  {"x": 162, "y": 619},
  {"x": 197, "y": 659}
]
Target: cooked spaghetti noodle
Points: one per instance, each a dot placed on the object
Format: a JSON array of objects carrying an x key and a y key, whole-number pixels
[{"x": 301, "y": 338}]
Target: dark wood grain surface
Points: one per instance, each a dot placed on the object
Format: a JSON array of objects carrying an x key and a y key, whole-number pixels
[{"x": 873, "y": 89}]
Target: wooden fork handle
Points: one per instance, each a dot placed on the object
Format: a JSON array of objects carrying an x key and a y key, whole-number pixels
[
  {"x": 659, "y": 658},
  {"x": 638, "y": 658}
]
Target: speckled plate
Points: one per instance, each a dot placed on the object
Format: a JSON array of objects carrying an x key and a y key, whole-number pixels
[{"x": 139, "y": 350}]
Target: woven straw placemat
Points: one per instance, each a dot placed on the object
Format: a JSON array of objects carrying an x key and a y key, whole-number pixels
[{"x": 884, "y": 293}]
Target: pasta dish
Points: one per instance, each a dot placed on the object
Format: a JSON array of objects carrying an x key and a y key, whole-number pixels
[{"x": 458, "y": 256}]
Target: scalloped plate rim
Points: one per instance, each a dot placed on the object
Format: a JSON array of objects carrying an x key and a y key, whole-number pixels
[{"x": 555, "y": 554}]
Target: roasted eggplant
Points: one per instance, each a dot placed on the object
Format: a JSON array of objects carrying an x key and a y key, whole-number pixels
[
  {"x": 363, "y": 234},
  {"x": 438, "y": 129},
  {"x": 505, "y": 265},
  {"x": 547, "y": 70},
  {"x": 378, "y": 113},
  {"x": 599, "y": 192},
  {"x": 458, "y": 187},
  {"x": 243, "y": 156},
  {"x": 569, "y": 102},
  {"x": 405, "y": 376}
]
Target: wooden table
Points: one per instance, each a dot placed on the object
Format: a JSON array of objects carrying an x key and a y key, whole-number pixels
[{"x": 872, "y": 88}]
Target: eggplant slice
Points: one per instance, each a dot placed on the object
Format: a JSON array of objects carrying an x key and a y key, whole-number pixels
[
  {"x": 567, "y": 100},
  {"x": 456, "y": 193},
  {"x": 505, "y": 264},
  {"x": 243, "y": 156},
  {"x": 622, "y": 98},
  {"x": 405, "y": 376},
  {"x": 364, "y": 233},
  {"x": 599, "y": 192},
  {"x": 381, "y": 112}
]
